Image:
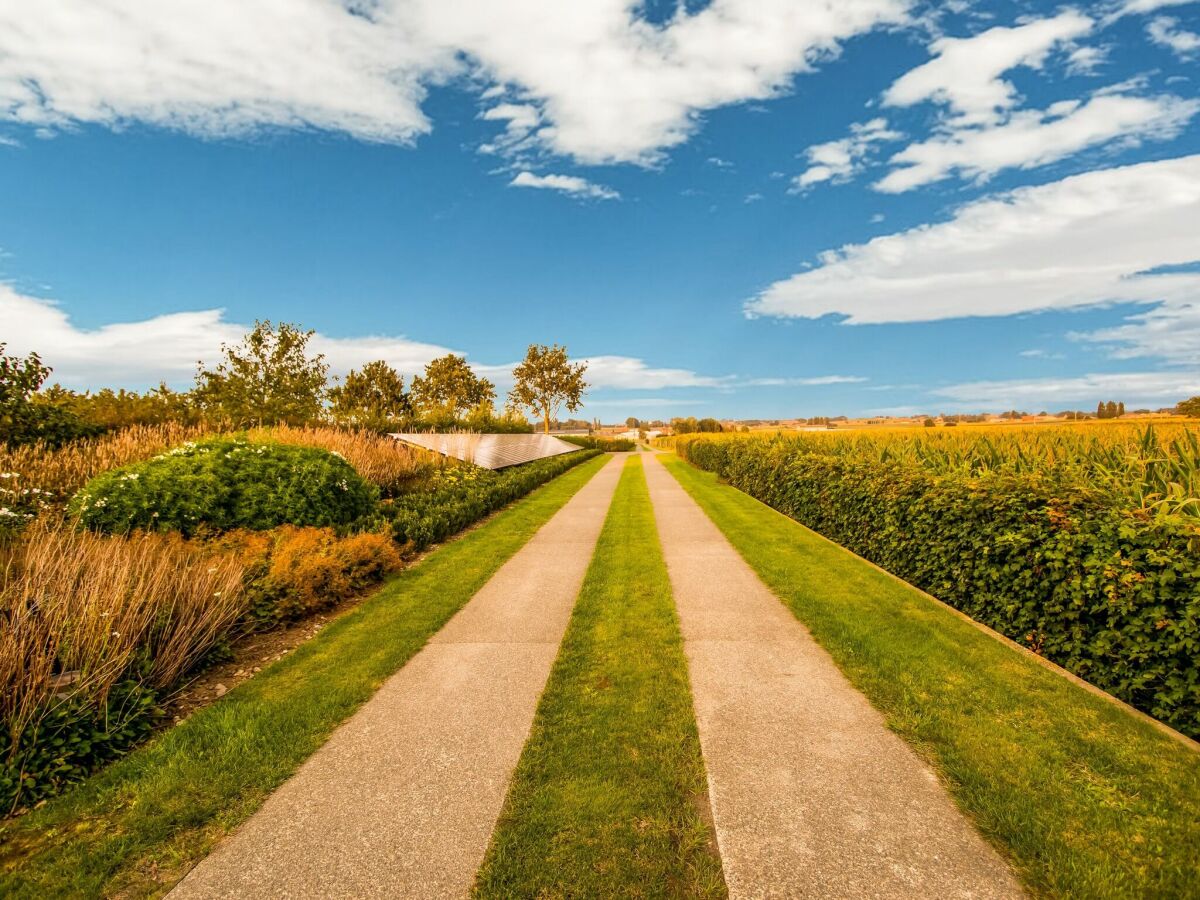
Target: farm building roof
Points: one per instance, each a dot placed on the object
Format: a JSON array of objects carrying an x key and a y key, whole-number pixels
[{"x": 491, "y": 451}]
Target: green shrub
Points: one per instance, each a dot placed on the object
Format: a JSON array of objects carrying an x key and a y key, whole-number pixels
[
  {"x": 72, "y": 741},
  {"x": 460, "y": 495},
  {"x": 223, "y": 484},
  {"x": 1109, "y": 592},
  {"x": 603, "y": 444}
]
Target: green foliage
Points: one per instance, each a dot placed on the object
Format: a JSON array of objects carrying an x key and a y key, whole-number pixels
[
  {"x": 268, "y": 380},
  {"x": 692, "y": 425},
  {"x": 1189, "y": 407},
  {"x": 108, "y": 409},
  {"x": 450, "y": 389},
  {"x": 1107, "y": 590},
  {"x": 595, "y": 442},
  {"x": 71, "y": 742},
  {"x": 460, "y": 495},
  {"x": 25, "y": 416},
  {"x": 373, "y": 397},
  {"x": 545, "y": 380},
  {"x": 223, "y": 484}
]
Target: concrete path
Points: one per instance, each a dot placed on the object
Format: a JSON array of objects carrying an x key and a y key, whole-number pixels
[
  {"x": 812, "y": 795},
  {"x": 402, "y": 800}
]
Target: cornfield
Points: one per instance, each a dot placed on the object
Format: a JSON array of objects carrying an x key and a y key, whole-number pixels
[{"x": 1156, "y": 468}]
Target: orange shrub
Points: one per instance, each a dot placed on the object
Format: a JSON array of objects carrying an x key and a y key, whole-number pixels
[{"x": 291, "y": 571}]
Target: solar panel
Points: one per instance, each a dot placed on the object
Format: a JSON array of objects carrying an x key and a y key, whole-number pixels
[{"x": 491, "y": 451}]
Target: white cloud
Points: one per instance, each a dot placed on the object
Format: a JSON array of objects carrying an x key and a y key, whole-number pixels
[
  {"x": 565, "y": 184},
  {"x": 166, "y": 347},
  {"x": 840, "y": 160},
  {"x": 1165, "y": 31},
  {"x": 964, "y": 74},
  {"x": 605, "y": 84},
  {"x": 813, "y": 381},
  {"x": 212, "y": 67},
  {"x": 1152, "y": 389},
  {"x": 1037, "y": 137},
  {"x": 1086, "y": 60},
  {"x": 1135, "y": 7},
  {"x": 1090, "y": 239}
]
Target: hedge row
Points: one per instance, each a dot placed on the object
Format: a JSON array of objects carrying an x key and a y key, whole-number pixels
[
  {"x": 595, "y": 442},
  {"x": 1109, "y": 593},
  {"x": 461, "y": 495}
]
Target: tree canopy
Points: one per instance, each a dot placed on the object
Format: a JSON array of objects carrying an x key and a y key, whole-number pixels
[
  {"x": 373, "y": 395},
  {"x": 546, "y": 380},
  {"x": 268, "y": 379},
  {"x": 1189, "y": 407},
  {"x": 450, "y": 388}
]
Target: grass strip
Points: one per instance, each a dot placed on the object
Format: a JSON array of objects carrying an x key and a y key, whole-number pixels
[
  {"x": 609, "y": 798},
  {"x": 1085, "y": 799},
  {"x": 139, "y": 825}
]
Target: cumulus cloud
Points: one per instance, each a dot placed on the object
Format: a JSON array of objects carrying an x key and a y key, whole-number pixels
[
  {"x": 1114, "y": 235},
  {"x": 565, "y": 184},
  {"x": 596, "y": 80},
  {"x": 1034, "y": 138},
  {"x": 1146, "y": 6},
  {"x": 166, "y": 347},
  {"x": 1165, "y": 32},
  {"x": 965, "y": 73},
  {"x": 840, "y": 160},
  {"x": 1151, "y": 389}
]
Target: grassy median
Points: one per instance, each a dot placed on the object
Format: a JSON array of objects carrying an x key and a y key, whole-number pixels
[
  {"x": 609, "y": 798},
  {"x": 1085, "y": 799},
  {"x": 138, "y": 826}
]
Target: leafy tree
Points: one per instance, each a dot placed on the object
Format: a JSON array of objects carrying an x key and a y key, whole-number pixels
[
  {"x": 709, "y": 426},
  {"x": 1120, "y": 409},
  {"x": 545, "y": 380},
  {"x": 1189, "y": 407},
  {"x": 268, "y": 379},
  {"x": 449, "y": 388},
  {"x": 373, "y": 396},
  {"x": 929, "y": 423},
  {"x": 631, "y": 422},
  {"x": 26, "y": 417}
]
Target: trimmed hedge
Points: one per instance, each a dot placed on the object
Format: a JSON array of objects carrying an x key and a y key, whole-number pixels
[
  {"x": 223, "y": 484},
  {"x": 461, "y": 495},
  {"x": 1108, "y": 592},
  {"x": 603, "y": 444}
]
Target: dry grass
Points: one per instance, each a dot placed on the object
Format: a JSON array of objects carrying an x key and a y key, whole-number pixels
[
  {"x": 378, "y": 458},
  {"x": 79, "y": 610},
  {"x": 63, "y": 471}
]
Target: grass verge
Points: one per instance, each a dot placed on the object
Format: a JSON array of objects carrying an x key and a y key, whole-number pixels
[
  {"x": 139, "y": 825},
  {"x": 1085, "y": 799},
  {"x": 609, "y": 798}
]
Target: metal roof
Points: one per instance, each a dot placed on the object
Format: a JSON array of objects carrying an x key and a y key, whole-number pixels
[{"x": 491, "y": 451}]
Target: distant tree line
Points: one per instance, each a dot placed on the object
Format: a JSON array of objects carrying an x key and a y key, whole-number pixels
[
  {"x": 272, "y": 378},
  {"x": 692, "y": 425}
]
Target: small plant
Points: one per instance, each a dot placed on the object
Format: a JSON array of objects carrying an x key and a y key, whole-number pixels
[{"x": 223, "y": 484}]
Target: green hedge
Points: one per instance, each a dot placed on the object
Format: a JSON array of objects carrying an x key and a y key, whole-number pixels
[
  {"x": 461, "y": 495},
  {"x": 603, "y": 444},
  {"x": 1109, "y": 593},
  {"x": 223, "y": 484}
]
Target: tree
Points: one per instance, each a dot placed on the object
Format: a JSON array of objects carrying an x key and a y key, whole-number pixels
[
  {"x": 1120, "y": 409},
  {"x": 1189, "y": 407},
  {"x": 631, "y": 422},
  {"x": 450, "y": 388},
  {"x": 268, "y": 379},
  {"x": 929, "y": 423},
  {"x": 545, "y": 380},
  {"x": 373, "y": 396}
]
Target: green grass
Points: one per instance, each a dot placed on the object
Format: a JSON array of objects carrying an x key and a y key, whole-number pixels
[
  {"x": 139, "y": 825},
  {"x": 1085, "y": 799},
  {"x": 609, "y": 798}
]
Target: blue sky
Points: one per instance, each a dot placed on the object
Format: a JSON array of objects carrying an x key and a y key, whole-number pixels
[{"x": 744, "y": 208}]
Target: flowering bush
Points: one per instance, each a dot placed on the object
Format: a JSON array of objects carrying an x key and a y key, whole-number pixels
[
  {"x": 19, "y": 503},
  {"x": 223, "y": 484}
]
